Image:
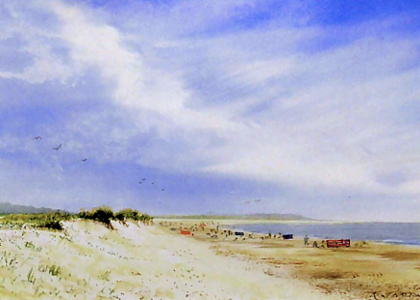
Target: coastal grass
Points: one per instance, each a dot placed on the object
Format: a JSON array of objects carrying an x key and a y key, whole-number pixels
[{"x": 53, "y": 220}]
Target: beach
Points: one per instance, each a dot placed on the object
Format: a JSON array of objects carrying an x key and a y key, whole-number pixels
[{"x": 135, "y": 261}]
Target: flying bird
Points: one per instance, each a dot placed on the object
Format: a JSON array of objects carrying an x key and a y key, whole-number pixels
[
  {"x": 37, "y": 138},
  {"x": 140, "y": 182},
  {"x": 57, "y": 148},
  {"x": 144, "y": 179},
  {"x": 247, "y": 202},
  {"x": 85, "y": 159},
  {"x": 163, "y": 190},
  {"x": 257, "y": 200},
  {"x": 152, "y": 183}
]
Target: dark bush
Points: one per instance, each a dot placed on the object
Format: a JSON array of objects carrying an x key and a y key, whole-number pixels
[
  {"x": 101, "y": 214},
  {"x": 52, "y": 224},
  {"x": 52, "y": 221},
  {"x": 127, "y": 214}
]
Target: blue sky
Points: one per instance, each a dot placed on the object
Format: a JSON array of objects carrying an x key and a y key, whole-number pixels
[{"x": 311, "y": 107}]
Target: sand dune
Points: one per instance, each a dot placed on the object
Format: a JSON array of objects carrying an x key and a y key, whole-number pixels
[{"x": 88, "y": 261}]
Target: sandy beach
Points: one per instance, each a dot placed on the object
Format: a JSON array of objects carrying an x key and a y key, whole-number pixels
[{"x": 134, "y": 261}]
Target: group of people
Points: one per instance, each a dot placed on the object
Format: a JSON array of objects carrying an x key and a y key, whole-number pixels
[{"x": 314, "y": 244}]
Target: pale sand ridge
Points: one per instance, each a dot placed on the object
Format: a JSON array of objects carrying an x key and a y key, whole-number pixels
[{"x": 134, "y": 262}]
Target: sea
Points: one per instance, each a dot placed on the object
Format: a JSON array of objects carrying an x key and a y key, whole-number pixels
[{"x": 392, "y": 233}]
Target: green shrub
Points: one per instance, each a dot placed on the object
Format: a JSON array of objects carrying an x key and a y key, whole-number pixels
[
  {"x": 127, "y": 214},
  {"x": 131, "y": 214},
  {"x": 53, "y": 224},
  {"x": 101, "y": 214},
  {"x": 53, "y": 221}
]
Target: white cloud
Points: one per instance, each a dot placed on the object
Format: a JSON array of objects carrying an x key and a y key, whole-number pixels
[{"x": 271, "y": 103}]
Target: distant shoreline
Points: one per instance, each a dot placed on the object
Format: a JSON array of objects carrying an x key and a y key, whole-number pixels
[
  {"x": 263, "y": 221},
  {"x": 236, "y": 221},
  {"x": 267, "y": 221}
]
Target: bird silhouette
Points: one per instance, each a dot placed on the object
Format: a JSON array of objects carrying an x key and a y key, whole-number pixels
[
  {"x": 57, "y": 148},
  {"x": 140, "y": 182},
  {"x": 144, "y": 179},
  {"x": 247, "y": 202},
  {"x": 152, "y": 183},
  {"x": 258, "y": 200},
  {"x": 163, "y": 190},
  {"x": 37, "y": 138},
  {"x": 85, "y": 159}
]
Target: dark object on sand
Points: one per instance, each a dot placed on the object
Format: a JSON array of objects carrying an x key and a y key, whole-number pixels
[
  {"x": 338, "y": 243},
  {"x": 288, "y": 236},
  {"x": 239, "y": 233}
]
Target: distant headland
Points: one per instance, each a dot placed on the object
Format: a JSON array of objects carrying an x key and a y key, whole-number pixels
[{"x": 8, "y": 208}]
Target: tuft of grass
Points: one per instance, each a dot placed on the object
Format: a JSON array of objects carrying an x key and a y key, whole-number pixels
[
  {"x": 6, "y": 259},
  {"x": 105, "y": 276},
  {"x": 30, "y": 276},
  {"x": 29, "y": 245},
  {"x": 54, "y": 270}
]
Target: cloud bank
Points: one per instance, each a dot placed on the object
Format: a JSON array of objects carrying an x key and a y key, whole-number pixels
[{"x": 223, "y": 102}]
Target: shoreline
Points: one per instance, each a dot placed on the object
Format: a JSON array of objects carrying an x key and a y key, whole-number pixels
[
  {"x": 262, "y": 221},
  {"x": 233, "y": 222}
]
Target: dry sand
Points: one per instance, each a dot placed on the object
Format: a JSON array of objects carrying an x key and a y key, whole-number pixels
[
  {"x": 363, "y": 271},
  {"x": 89, "y": 261}
]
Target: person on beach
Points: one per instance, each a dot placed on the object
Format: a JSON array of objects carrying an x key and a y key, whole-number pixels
[
  {"x": 306, "y": 240},
  {"x": 315, "y": 244}
]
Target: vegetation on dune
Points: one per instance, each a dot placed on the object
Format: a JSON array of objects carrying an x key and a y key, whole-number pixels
[
  {"x": 105, "y": 214},
  {"x": 40, "y": 220},
  {"x": 101, "y": 214},
  {"x": 131, "y": 214},
  {"x": 53, "y": 220},
  {"x": 128, "y": 213}
]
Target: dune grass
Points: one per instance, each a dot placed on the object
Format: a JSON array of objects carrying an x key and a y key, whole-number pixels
[{"x": 53, "y": 221}]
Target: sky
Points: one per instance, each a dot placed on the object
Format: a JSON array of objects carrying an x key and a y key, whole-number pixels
[{"x": 309, "y": 107}]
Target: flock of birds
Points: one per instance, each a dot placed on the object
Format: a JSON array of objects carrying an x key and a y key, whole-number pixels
[
  {"x": 55, "y": 148},
  {"x": 85, "y": 159},
  {"x": 256, "y": 201},
  {"x": 143, "y": 180}
]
